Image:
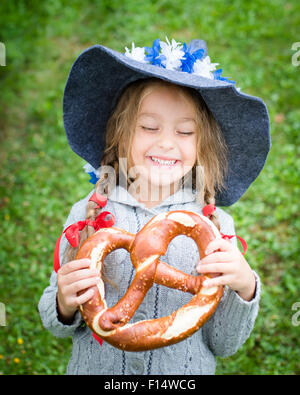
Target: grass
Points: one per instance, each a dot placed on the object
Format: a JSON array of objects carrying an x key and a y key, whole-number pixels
[{"x": 41, "y": 178}]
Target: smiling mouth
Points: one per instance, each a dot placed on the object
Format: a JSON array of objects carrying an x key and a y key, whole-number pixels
[{"x": 162, "y": 162}]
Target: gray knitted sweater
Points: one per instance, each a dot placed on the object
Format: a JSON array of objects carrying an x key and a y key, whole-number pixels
[{"x": 222, "y": 335}]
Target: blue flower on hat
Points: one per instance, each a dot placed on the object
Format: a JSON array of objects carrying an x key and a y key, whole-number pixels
[
  {"x": 187, "y": 64},
  {"x": 93, "y": 173},
  {"x": 217, "y": 74},
  {"x": 153, "y": 56}
]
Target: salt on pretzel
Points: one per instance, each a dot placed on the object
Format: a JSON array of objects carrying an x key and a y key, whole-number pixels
[{"x": 145, "y": 248}]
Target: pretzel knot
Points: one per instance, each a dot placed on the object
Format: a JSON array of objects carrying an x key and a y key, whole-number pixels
[{"x": 145, "y": 248}]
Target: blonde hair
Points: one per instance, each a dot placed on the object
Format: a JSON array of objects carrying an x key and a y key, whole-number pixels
[{"x": 211, "y": 148}]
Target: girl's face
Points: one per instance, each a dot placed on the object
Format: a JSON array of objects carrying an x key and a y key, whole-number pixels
[{"x": 164, "y": 143}]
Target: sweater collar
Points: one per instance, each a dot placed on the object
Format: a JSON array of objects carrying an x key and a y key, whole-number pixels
[{"x": 121, "y": 195}]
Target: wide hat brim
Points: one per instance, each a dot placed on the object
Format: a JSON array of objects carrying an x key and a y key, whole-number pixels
[{"x": 99, "y": 75}]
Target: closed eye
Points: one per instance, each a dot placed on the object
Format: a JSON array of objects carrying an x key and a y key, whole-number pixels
[
  {"x": 186, "y": 133},
  {"x": 145, "y": 128},
  {"x": 154, "y": 129}
]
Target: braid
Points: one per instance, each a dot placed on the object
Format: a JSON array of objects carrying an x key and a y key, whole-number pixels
[
  {"x": 210, "y": 199},
  {"x": 204, "y": 196}
]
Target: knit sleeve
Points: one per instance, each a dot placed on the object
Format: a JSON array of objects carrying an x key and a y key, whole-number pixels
[
  {"x": 48, "y": 305},
  {"x": 231, "y": 324}
]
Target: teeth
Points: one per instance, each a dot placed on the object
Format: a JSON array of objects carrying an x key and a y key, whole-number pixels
[{"x": 163, "y": 162}]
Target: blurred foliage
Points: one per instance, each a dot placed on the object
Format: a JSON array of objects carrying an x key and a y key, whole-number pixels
[{"x": 41, "y": 178}]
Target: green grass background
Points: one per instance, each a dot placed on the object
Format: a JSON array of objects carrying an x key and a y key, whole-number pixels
[{"x": 41, "y": 177}]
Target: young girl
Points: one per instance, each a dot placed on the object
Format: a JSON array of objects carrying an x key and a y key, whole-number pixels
[{"x": 177, "y": 136}]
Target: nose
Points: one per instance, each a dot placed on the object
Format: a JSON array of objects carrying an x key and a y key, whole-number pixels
[{"x": 166, "y": 142}]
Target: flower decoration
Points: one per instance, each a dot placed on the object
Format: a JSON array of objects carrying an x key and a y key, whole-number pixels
[
  {"x": 190, "y": 58},
  {"x": 173, "y": 54},
  {"x": 179, "y": 57},
  {"x": 153, "y": 55},
  {"x": 205, "y": 68},
  {"x": 136, "y": 53}
]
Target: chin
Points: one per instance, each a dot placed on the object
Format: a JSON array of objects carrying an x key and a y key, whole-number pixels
[{"x": 165, "y": 182}]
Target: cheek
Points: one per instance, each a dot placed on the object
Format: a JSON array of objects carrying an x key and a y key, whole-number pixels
[
  {"x": 133, "y": 151},
  {"x": 190, "y": 152},
  {"x": 137, "y": 147},
  {"x": 140, "y": 145}
]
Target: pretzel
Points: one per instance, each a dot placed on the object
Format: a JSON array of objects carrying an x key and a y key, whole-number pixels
[{"x": 145, "y": 248}]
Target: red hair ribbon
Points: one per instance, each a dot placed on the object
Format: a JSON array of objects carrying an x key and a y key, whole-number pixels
[
  {"x": 72, "y": 231},
  {"x": 99, "y": 199},
  {"x": 243, "y": 242},
  {"x": 207, "y": 210},
  {"x": 99, "y": 340}
]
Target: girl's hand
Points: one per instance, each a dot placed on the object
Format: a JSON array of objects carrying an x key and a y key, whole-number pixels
[
  {"x": 73, "y": 277},
  {"x": 230, "y": 268}
]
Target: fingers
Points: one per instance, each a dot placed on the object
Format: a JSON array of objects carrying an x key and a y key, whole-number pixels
[
  {"x": 225, "y": 264},
  {"x": 85, "y": 297},
  {"x": 216, "y": 281},
  {"x": 217, "y": 257},
  {"x": 68, "y": 295},
  {"x": 72, "y": 278},
  {"x": 80, "y": 275},
  {"x": 74, "y": 271},
  {"x": 217, "y": 262},
  {"x": 78, "y": 286},
  {"x": 219, "y": 244},
  {"x": 74, "y": 265},
  {"x": 220, "y": 267}
]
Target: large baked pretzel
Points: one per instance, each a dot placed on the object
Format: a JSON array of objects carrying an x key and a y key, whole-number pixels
[{"x": 145, "y": 248}]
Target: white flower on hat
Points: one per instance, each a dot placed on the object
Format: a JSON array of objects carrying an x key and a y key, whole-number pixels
[
  {"x": 204, "y": 68},
  {"x": 173, "y": 53},
  {"x": 137, "y": 53},
  {"x": 90, "y": 169}
]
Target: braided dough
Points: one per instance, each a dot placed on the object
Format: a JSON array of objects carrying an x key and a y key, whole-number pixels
[{"x": 145, "y": 248}]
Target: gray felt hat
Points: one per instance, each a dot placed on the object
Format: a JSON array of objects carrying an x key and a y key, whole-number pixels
[{"x": 99, "y": 75}]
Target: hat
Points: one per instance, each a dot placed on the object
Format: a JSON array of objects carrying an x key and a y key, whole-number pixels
[{"x": 99, "y": 75}]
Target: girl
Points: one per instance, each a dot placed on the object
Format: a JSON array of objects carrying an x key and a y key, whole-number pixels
[{"x": 178, "y": 136}]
